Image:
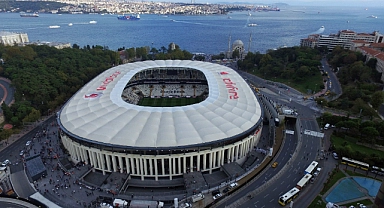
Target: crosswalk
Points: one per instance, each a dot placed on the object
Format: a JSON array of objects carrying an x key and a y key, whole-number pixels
[{"x": 314, "y": 133}]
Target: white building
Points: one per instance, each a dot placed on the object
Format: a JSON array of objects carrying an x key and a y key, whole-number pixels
[
  {"x": 343, "y": 38},
  {"x": 10, "y": 38}
]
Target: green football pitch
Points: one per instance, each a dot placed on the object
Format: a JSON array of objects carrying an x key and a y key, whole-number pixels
[{"x": 168, "y": 102}]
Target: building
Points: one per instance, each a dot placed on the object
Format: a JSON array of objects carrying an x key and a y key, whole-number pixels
[
  {"x": 102, "y": 124},
  {"x": 52, "y": 44},
  {"x": 369, "y": 53},
  {"x": 10, "y": 38},
  {"x": 344, "y": 38},
  {"x": 237, "y": 45}
]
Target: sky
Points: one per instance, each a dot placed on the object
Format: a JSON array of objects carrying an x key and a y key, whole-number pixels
[{"x": 358, "y": 3}]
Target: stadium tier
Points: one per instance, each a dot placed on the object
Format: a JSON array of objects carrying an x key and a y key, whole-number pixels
[{"x": 159, "y": 119}]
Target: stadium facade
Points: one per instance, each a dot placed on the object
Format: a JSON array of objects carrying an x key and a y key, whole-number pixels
[{"x": 103, "y": 124}]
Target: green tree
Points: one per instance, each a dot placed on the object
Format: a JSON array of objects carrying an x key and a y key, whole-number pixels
[
  {"x": 377, "y": 99},
  {"x": 236, "y": 54},
  {"x": 370, "y": 134}
]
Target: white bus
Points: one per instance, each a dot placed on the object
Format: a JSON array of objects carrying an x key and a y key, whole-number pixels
[
  {"x": 287, "y": 197},
  {"x": 354, "y": 163},
  {"x": 311, "y": 168},
  {"x": 304, "y": 181}
]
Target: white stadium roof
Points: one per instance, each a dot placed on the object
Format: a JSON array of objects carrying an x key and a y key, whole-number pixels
[{"x": 105, "y": 118}]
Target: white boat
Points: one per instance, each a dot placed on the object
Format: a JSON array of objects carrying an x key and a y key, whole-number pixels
[
  {"x": 92, "y": 22},
  {"x": 252, "y": 25},
  {"x": 54, "y": 26},
  {"x": 70, "y": 24},
  {"x": 322, "y": 27},
  {"x": 372, "y": 16}
]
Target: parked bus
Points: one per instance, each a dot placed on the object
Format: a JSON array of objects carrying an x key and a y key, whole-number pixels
[
  {"x": 304, "y": 181},
  {"x": 311, "y": 168},
  {"x": 377, "y": 170},
  {"x": 354, "y": 163},
  {"x": 287, "y": 197}
]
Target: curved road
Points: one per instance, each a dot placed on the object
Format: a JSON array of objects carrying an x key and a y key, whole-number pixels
[
  {"x": 6, "y": 92},
  {"x": 280, "y": 180}
]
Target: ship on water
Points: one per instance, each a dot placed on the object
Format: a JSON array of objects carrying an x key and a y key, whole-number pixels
[
  {"x": 23, "y": 14},
  {"x": 128, "y": 17}
]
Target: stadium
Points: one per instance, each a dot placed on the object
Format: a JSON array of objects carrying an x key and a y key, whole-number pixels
[{"x": 157, "y": 120}]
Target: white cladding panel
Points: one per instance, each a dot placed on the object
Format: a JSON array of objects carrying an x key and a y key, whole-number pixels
[{"x": 108, "y": 119}]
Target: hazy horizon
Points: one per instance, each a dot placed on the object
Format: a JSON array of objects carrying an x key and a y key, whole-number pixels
[{"x": 344, "y": 3}]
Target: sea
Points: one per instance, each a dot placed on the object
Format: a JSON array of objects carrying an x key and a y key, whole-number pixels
[{"x": 209, "y": 34}]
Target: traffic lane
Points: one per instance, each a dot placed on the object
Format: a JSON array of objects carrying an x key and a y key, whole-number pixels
[
  {"x": 10, "y": 91},
  {"x": 295, "y": 172},
  {"x": 271, "y": 193},
  {"x": 3, "y": 92},
  {"x": 12, "y": 151},
  {"x": 270, "y": 172},
  {"x": 313, "y": 189},
  {"x": 336, "y": 88},
  {"x": 15, "y": 205}
]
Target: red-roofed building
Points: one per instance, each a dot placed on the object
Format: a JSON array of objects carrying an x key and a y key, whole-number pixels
[{"x": 372, "y": 53}]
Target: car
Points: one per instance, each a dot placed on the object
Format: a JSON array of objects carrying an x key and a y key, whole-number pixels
[
  {"x": 233, "y": 185},
  {"x": 28, "y": 143},
  {"x": 6, "y": 162},
  {"x": 317, "y": 172},
  {"x": 217, "y": 196},
  {"x": 215, "y": 192},
  {"x": 274, "y": 165},
  {"x": 335, "y": 156},
  {"x": 21, "y": 152},
  {"x": 226, "y": 190}
]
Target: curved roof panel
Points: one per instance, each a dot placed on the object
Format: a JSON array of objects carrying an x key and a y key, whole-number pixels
[{"x": 98, "y": 113}]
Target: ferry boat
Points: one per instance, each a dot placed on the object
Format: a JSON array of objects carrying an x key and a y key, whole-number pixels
[
  {"x": 128, "y": 17},
  {"x": 54, "y": 26},
  {"x": 372, "y": 16},
  {"x": 23, "y": 14}
]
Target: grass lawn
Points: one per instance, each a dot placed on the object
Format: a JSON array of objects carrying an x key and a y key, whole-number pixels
[
  {"x": 338, "y": 142},
  {"x": 352, "y": 173},
  {"x": 309, "y": 83},
  {"x": 336, "y": 175},
  {"x": 317, "y": 203},
  {"x": 168, "y": 102}
]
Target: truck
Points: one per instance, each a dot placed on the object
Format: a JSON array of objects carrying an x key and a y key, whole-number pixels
[
  {"x": 145, "y": 204},
  {"x": 197, "y": 197},
  {"x": 120, "y": 203}
]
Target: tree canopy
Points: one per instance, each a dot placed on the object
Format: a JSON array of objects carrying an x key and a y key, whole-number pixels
[{"x": 45, "y": 77}]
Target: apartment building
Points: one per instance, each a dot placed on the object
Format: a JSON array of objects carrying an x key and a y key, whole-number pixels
[{"x": 344, "y": 38}]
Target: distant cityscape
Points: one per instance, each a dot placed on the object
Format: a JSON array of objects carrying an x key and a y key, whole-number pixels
[{"x": 144, "y": 7}]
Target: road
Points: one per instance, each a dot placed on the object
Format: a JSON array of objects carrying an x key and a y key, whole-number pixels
[
  {"x": 6, "y": 91},
  {"x": 280, "y": 181},
  {"x": 333, "y": 83}
]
